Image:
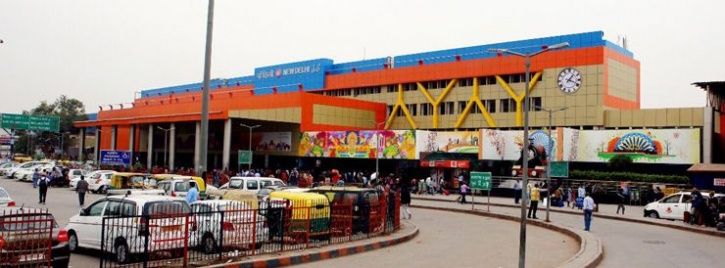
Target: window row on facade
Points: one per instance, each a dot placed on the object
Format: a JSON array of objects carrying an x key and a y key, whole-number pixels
[{"x": 457, "y": 107}]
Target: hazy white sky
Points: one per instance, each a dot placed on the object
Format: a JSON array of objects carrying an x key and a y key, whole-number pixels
[{"x": 101, "y": 52}]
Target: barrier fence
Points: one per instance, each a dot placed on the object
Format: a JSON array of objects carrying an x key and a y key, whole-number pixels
[
  {"x": 27, "y": 237},
  {"x": 221, "y": 230}
]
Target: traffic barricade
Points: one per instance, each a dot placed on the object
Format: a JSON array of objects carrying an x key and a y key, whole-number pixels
[{"x": 26, "y": 237}]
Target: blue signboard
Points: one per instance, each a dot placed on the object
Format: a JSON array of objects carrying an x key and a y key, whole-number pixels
[
  {"x": 291, "y": 77},
  {"x": 115, "y": 158}
]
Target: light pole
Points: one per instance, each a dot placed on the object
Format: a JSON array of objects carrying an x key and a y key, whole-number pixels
[
  {"x": 166, "y": 144},
  {"x": 525, "y": 176},
  {"x": 204, "y": 140},
  {"x": 548, "y": 155},
  {"x": 250, "y": 142}
]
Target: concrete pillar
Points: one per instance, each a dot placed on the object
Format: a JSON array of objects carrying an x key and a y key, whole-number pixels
[
  {"x": 96, "y": 148},
  {"x": 227, "y": 144},
  {"x": 706, "y": 135},
  {"x": 113, "y": 137},
  {"x": 172, "y": 146},
  {"x": 150, "y": 150},
  {"x": 197, "y": 146},
  {"x": 132, "y": 143},
  {"x": 81, "y": 143}
]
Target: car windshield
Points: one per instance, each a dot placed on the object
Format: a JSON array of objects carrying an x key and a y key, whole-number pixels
[
  {"x": 22, "y": 222},
  {"x": 160, "y": 208},
  {"x": 3, "y": 194},
  {"x": 27, "y": 165},
  {"x": 182, "y": 186},
  {"x": 236, "y": 184}
]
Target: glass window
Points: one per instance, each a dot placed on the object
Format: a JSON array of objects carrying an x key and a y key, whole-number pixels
[
  {"x": 673, "y": 199},
  {"x": 128, "y": 209},
  {"x": 3, "y": 193},
  {"x": 182, "y": 186},
  {"x": 236, "y": 184},
  {"x": 266, "y": 183},
  {"x": 112, "y": 209},
  {"x": 686, "y": 198},
  {"x": 252, "y": 185},
  {"x": 461, "y": 106},
  {"x": 97, "y": 208},
  {"x": 166, "y": 207}
]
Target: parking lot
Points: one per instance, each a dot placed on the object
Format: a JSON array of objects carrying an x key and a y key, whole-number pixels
[{"x": 61, "y": 202}]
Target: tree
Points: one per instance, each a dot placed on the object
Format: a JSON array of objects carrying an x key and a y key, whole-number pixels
[
  {"x": 620, "y": 162},
  {"x": 68, "y": 110}
]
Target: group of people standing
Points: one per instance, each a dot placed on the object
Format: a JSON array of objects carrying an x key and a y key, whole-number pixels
[{"x": 581, "y": 199}]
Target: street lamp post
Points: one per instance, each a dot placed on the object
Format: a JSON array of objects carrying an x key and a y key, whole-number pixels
[
  {"x": 525, "y": 176},
  {"x": 166, "y": 144},
  {"x": 548, "y": 155},
  {"x": 250, "y": 142},
  {"x": 204, "y": 139}
]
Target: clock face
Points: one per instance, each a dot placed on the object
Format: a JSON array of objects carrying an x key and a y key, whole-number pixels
[{"x": 570, "y": 80}]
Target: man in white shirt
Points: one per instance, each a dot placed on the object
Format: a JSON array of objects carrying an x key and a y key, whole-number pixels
[{"x": 588, "y": 207}]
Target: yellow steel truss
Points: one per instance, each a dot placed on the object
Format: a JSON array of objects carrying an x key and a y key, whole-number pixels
[
  {"x": 400, "y": 104},
  {"x": 475, "y": 98},
  {"x": 438, "y": 100}
]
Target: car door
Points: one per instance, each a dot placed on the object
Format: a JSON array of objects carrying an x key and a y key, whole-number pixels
[
  {"x": 668, "y": 206},
  {"x": 89, "y": 228},
  {"x": 685, "y": 205}
]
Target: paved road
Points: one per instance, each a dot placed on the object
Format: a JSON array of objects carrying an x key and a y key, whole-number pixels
[
  {"x": 449, "y": 239},
  {"x": 629, "y": 244},
  {"x": 61, "y": 202}
]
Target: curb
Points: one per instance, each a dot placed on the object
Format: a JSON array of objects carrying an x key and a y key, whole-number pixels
[
  {"x": 307, "y": 257},
  {"x": 609, "y": 217},
  {"x": 591, "y": 251}
]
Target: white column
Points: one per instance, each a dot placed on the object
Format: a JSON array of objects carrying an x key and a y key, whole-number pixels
[
  {"x": 113, "y": 137},
  {"x": 197, "y": 145},
  {"x": 172, "y": 146},
  {"x": 81, "y": 143},
  {"x": 96, "y": 149},
  {"x": 150, "y": 150},
  {"x": 707, "y": 136},
  {"x": 131, "y": 143},
  {"x": 227, "y": 144}
]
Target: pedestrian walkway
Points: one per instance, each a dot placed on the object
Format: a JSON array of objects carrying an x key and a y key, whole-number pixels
[
  {"x": 626, "y": 244},
  {"x": 632, "y": 213}
]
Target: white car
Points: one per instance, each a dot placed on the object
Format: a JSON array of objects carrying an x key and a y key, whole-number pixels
[
  {"x": 236, "y": 227},
  {"x": 5, "y": 200},
  {"x": 100, "y": 182},
  {"x": 253, "y": 184},
  {"x": 86, "y": 174},
  {"x": 6, "y": 167},
  {"x": 30, "y": 165},
  {"x": 178, "y": 186},
  {"x": 672, "y": 206},
  {"x": 27, "y": 174},
  {"x": 129, "y": 221}
]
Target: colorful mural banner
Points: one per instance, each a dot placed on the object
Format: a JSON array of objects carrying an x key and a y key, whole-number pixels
[
  {"x": 506, "y": 144},
  {"x": 668, "y": 146},
  {"x": 386, "y": 144},
  {"x": 447, "y": 141},
  {"x": 272, "y": 141}
]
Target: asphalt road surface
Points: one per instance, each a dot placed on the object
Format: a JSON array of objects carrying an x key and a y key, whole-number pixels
[{"x": 61, "y": 202}]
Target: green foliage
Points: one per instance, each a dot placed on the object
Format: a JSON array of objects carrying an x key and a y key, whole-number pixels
[
  {"x": 68, "y": 110},
  {"x": 620, "y": 162},
  {"x": 627, "y": 176}
]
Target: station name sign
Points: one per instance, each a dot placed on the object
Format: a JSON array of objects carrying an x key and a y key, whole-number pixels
[{"x": 279, "y": 72}]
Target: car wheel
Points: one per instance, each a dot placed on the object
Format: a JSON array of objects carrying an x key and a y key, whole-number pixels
[
  {"x": 121, "y": 253},
  {"x": 208, "y": 244},
  {"x": 103, "y": 190},
  {"x": 72, "y": 241},
  {"x": 653, "y": 214}
]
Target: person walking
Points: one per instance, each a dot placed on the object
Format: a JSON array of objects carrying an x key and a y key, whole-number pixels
[
  {"x": 621, "y": 198},
  {"x": 405, "y": 199},
  {"x": 464, "y": 191},
  {"x": 36, "y": 177},
  {"x": 588, "y": 207},
  {"x": 192, "y": 195},
  {"x": 517, "y": 191},
  {"x": 43, "y": 184},
  {"x": 535, "y": 197},
  {"x": 81, "y": 189}
]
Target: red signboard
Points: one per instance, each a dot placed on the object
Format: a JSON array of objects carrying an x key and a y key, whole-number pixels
[
  {"x": 718, "y": 182},
  {"x": 446, "y": 163}
]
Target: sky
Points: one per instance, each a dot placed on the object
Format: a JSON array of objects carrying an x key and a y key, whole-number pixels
[{"x": 102, "y": 52}]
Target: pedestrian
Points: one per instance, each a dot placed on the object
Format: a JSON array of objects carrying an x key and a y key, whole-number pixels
[
  {"x": 517, "y": 191},
  {"x": 464, "y": 191},
  {"x": 535, "y": 197},
  {"x": 569, "y": 195},
  {"x": 405, "y": 199},
  {"x": 192, "y": 195},
  {"x": 421, "y": 187},
  {"x": 588, "y": 206},
  {"x": 81, "y": 189},
  {"x": 43, "y": 183},
  {"x": 621, "y": 198},
  {"x": 36, "y": 177}
]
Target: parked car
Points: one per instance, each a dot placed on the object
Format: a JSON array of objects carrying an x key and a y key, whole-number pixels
[
  {"x": 177, "y": 185},
  {"x": 235, "y": 229},
  {"x": 31, "y": 165},
  {"x": 672, "y": 206},
  {"x": 27, "y": 174},
  {"x": 133, "y": 219},
  {"x": 253, "y": 184},
  {"x": 100, "y": 182},
  {"x": 6, "y": 167},
  {"x": 5, "y": 200},
  {"x": 31, "y": 238},
  {"x": 88, "y": 176}
]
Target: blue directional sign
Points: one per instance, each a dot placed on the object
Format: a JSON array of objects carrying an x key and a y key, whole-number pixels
[{"x": 115, "y": 158}]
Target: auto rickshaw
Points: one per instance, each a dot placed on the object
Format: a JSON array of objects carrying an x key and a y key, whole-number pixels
[
  {"x": 246, "y": 197},
  {"x": 361, "y": 199},
  {"x": 121, "y": 181},
  {"x": 299, "y": 209}
]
